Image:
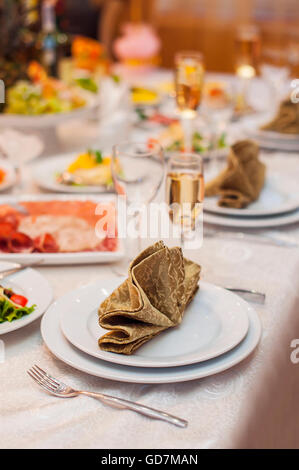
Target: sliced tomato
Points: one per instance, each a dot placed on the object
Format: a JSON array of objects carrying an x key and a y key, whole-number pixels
[{"x": 19, "y": 300}]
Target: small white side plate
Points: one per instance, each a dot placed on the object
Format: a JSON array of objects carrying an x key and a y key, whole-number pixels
[
  {"x": 213, "y": 323},
  {"x": 32, "y": 285}
]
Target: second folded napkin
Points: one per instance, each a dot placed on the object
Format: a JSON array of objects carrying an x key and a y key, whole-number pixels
[
  {"x": 160, "y": 285},
  {"x": 241, "y": 182},
  {"x": 287, "y": 119}
]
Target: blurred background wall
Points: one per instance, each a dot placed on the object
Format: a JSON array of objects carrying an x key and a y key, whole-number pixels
[
  {"x": 206, "y": 25},
  {"x": 210, "y": 25}
]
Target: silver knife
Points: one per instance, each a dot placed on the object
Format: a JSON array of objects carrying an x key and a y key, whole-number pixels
[{"x": 8, "y": 272}]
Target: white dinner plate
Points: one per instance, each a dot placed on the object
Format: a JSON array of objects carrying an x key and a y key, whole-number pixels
[
  {"x": 32, "y": 285},
  {"x": 10, "y": 175},
  {"x": 44, "y": 173},
  {"x": 271, "y": 135},
  {"x": 213, "y": 323},
  {"x": 251, "y": 222},
  {"x": 65, "y": 351},
  {"x": 279, "y": 196},
  {"x": 274, "y": 143},
  {"x": 268, "y": 139},
  {"x": 84, "y": 257},
  {"x": 44, "y": 121}
]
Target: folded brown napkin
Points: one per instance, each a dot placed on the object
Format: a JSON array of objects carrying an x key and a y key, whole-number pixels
[
  {"x": 241, "y": 182},
  {"x": 160, "y": 285},
  {"x": 287, "y": 119}
]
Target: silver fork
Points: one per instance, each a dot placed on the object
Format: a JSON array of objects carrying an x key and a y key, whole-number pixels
[{"x": 60, "y": 389}]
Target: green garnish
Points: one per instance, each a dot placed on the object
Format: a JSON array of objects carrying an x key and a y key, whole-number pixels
[
  {"x": 98, "y": 155},
  {"x": 87, "y": 84},
  {"x": 222, "y": 140},
  {"x": 197, "y": 136},
  {"x": 198, "y": 148},
  {"x": 141, "y": 114},
  {"x": 8, "y": 312},
  {"x": 176, "y": 145},
  {"x": 115, "y": 78}
]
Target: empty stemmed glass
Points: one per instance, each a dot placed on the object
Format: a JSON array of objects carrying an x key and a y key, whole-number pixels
[
  {"x": 217, "y": 108},
  {"x": 137, "y": 172},
  {"x": 185, "y": 194}
]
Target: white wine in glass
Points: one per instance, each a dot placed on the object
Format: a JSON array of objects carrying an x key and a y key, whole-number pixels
[
  {"x": 247, "y": 55},
  {"x": 185, "y": 192},
  {"x": 189, "y": 78}
]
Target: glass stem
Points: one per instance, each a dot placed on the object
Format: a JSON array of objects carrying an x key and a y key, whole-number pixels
[
  {"x": 243, "y": 95},
  {"x": 187, "y": 123},
  {"x": 182, "y": 239},
  {"x": 138, "y": 230},
  {"x": 19, "y": 188}
]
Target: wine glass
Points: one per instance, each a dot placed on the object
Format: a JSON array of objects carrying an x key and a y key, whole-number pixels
[
  {"x": 185, "y": 193},
  {"x": 137, "y": 172},
  {"x": 247, "y": 56},
  {"x": 217, "y": 108},
  {"x": 189, "y": 78}
]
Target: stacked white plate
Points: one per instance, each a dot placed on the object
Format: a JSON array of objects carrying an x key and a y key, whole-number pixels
[
  {"x": 269, "y": 140},
  {"x": 219, "y": 330},
  {"x": 277, "y": 205},
  {"x": 275, "y": 140}
]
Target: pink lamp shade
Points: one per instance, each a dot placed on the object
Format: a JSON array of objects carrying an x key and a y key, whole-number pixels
[{"x": 139, "y": 45}]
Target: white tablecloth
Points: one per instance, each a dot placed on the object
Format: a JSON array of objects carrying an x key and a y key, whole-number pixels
[{"x": 254, "y": 404}]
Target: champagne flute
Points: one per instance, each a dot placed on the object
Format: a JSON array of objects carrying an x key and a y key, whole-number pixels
[
  {"x": 247, "y": 56},
  {"x": 189, "y": 78},
  {"x": 185, "y": 193},
  {"x": 137, "y": 172}
]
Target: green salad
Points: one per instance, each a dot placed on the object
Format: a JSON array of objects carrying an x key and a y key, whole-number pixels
[
  {"x": 32, "y": 99},
  {"x": 13, "y": 306}
]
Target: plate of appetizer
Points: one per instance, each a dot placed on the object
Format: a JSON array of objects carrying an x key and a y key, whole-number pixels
[
  {"x": 144, "y": 97},
  {"x": 7, "y": 175},
  {"x": 64, "y": 229},
  {"x": 42, "y": 101},
  {"x": 86, "y": 172},
  {"x": 172, "y": 140},
  {"x": 24, "y": 296}
]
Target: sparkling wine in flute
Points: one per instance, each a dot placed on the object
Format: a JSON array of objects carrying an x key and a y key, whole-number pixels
[
  {"x": 189, "y": 76},
  {"x": 247, "y": 47},
  {"x": 188, "y": 96},
  {"x": 185, "y": 194}
]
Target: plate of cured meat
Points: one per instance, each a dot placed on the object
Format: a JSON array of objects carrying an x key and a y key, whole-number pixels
[{"x": 59, "y": 229}]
